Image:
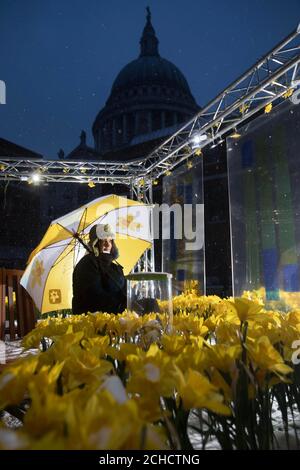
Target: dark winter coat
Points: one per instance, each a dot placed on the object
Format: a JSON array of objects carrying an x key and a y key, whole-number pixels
[{"x": 98, "y": 286}]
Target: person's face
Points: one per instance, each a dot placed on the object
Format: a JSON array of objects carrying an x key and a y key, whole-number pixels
[{"x": 105, "y": 245}]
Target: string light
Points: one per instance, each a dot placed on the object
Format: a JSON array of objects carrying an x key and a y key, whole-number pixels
[
  {"x": 235, "y": 134},
  {"x": 288, "y": 93},
  {"x": 268, "y": 108}
]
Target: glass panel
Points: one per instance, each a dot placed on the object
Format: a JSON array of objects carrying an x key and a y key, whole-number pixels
[
  {"x": 264, "y": 187},
  {"x": 183, "y": 251},
  {"x": 151, "y": 293}
]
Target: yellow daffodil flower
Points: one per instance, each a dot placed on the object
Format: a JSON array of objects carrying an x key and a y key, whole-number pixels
[
  {"x": 197, "y": 392},
  {"x": 266, "y": 357}
]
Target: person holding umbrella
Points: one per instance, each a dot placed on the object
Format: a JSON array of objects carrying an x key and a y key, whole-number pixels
[
  {"x": 48, "y": 276},
  {"x": 98, "y": 280}
]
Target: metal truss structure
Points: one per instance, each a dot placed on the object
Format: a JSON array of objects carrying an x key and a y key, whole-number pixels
[{"x": 269, "y": 82}]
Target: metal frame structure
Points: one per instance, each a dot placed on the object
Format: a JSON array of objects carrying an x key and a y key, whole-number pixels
[{"x": 270, "y": 81}]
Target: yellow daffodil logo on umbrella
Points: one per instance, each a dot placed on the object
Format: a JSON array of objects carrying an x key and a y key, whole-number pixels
[
  {"x": 129, "y": 223},
  {"x": 55, "y": 296},
  {"x": 37, "y": 272}
]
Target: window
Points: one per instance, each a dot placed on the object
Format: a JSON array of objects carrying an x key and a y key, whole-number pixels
[
  {"x": 156, "y": 120},
  {"x": 169, "y": 119}
]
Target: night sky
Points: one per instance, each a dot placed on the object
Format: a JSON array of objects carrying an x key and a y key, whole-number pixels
[{"x": 59, "y": 58}]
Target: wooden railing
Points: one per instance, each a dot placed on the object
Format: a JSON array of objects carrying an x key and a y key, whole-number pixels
[{"x": 17, "y": 311}]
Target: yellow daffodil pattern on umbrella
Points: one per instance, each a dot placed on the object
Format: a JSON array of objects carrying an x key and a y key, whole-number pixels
[
  {"x": 54, "y": 296},
  {"x": 37, "y": 273},
  {"x": 129, "y": 222}
]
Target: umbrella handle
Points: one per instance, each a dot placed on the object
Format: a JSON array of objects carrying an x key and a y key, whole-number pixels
[{"x": 75, "y": 235}]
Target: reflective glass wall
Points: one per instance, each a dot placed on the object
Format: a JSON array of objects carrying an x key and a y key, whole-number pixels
[
  {"x": 183, "y": 251},
  {"x": 264, "y": 194}
]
